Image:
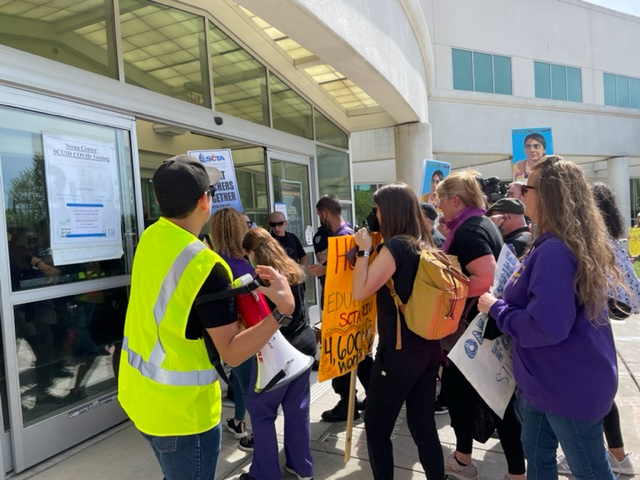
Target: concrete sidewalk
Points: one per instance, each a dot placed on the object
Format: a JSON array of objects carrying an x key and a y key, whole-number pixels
[{"x": 122, "y": 453}]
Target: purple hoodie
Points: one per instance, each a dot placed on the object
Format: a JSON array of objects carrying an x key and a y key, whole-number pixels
[{"x": 563, "y": 363}]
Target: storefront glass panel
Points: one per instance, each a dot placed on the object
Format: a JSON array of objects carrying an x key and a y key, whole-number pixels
[
  {"x": 291, "y": 113},
  {"x": 74, "y": 32},
  {"x": 22, "y": 156},
  {"x": 239, "y": 80},
  {"x": 163, "y": 50}
]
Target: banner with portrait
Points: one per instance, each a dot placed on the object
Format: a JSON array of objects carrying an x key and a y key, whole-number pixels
[
  {"x": 348, "y": 325},
  {"x": 433, "y": 172},
  {"x": 529, "y": 145}
]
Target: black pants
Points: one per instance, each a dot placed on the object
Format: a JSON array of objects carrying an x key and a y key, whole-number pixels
[
  {"x": 462, "y": 400},
  {"x": 341, "y": 384},
  {"x": 611, "y": 424},
  {"x": 399, "y": 377}
]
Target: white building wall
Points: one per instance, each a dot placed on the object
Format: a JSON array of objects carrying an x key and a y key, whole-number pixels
[{"x": 474, "y": 129}]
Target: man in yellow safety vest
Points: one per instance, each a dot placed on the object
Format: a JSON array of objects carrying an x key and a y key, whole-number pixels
[{"x": 167, "y": 384}]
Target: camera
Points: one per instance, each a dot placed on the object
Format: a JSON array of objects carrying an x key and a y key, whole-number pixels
[{"x": 493, "y": 188}]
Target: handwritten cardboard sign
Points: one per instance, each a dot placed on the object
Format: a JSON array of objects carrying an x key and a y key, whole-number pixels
[{"x": 348, "y": 325}]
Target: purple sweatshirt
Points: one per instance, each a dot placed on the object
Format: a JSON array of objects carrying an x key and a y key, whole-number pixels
[{"x": 563, "y": 363}]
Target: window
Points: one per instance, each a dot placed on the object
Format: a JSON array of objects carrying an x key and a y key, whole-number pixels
[
  {"x": 333, "y": 173},
  {"x": 621, "y": 91},
  {"x": 481, "y": 72},
  {"x": 557, "y": 82},
  {"x": 291, "y": 113},
  {"x": 163, "y": 50}
]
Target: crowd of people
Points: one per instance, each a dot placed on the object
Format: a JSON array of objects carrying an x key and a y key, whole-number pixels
[{"x": 555, "y": 309}]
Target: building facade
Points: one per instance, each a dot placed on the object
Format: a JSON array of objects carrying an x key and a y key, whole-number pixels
[{"x": 306, "y": 97}]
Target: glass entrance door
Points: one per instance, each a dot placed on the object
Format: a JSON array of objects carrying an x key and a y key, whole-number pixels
[
  {"x": 291, "y": 193},
  {"x": 67, "y": 233}
]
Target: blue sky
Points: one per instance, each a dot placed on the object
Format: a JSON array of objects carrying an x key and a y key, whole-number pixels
[{"x": 626, "y": 6}]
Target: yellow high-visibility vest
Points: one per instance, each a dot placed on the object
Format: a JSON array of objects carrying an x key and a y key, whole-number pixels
[{"x": 166, "y": 382}]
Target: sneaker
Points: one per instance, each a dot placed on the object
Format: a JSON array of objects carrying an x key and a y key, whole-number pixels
[
  {"x": 361, "y": 405},
  {"x": 624, "y": 467},
  {"x": 563, "y": 465},
  {"x": 453, "y": 469},
  {"x": 440, "y": 409},
  {"x": 293, "y": 472},
  {"x": 339, "y": 412},
  {"x": 237, "y": 429},
  {"x": 246, "y": 476},
  {"x": 246, "y": 444}
]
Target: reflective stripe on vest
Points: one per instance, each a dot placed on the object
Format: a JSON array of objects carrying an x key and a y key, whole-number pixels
[{"x": 152, "y": 369}]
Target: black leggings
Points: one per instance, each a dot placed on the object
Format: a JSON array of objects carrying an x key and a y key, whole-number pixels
[
  {"x": 611, "y": 424},
  {"x": 462, "y": 400}
]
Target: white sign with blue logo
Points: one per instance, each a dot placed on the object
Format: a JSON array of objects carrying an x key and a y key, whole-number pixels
[{"x": 227, "y": 194}]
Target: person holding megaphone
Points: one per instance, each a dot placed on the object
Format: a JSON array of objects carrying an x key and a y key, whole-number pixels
[
  {"x": 166, "y": 382},
  {"x": 294, "y": 396}
]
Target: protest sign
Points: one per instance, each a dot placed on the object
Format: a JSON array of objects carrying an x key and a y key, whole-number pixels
[
  {"x": 348, "y": 325},
  {"x": 488, "y": 364},
  {"x": 634, "y": 242}
]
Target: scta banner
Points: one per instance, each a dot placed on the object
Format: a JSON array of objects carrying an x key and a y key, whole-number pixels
[
  {"x": 227, "y": 194},
  {"x": 348, "y": 325}
]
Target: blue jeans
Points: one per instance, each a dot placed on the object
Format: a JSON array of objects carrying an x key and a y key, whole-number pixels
[
  {"x": 241, "y": 386},
  {"x": 581, "y": 441},
  {"x": 188, "y": 457}
]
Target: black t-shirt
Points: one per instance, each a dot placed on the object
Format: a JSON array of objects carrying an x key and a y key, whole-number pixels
[
  {"x": 299, "y": 332},
  {"x": 212, "y": 314},
  {"x": 406, "y": 256},
  {"x": 475, "y": 238},
  {"x": 520, "y": 239},
  {"x": 291, "y": 245}
]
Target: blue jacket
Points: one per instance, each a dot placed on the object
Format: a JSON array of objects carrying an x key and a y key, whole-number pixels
[{"x": 563, "y": 363}]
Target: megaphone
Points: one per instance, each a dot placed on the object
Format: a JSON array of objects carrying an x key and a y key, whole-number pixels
[{"x": 279, "y": 362}]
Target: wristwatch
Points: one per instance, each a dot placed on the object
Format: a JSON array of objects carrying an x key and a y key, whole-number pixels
[
  {"x": 362, "y": 253},
  {"x": 283, "y": 320}
]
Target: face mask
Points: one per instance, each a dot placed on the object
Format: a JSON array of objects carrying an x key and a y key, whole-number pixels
[{"x": 372, "y": 222}]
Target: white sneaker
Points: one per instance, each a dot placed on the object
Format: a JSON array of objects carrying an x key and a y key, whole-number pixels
[
  {"x": 453, "y": 469},
  {"x": 293, "y": 472},
  {"x": 563, "y": 465},
  {"x": 625, "y": 467}
]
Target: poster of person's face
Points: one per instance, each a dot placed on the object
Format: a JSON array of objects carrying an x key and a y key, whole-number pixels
[
  {"x": 434, "y": 173},
  {"x": 529, "y": 145}
]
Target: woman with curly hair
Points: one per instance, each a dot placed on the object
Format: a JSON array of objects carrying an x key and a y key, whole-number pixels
[
  {"x": 294, "y": 397},
  {"x": 554, "y": 309},
  {"x": 228, "y": 227}
]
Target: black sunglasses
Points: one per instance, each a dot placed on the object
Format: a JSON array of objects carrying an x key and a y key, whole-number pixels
[
  {"x": 212, "y": 190},
  {"x": 526, "y": 188},
  {"x": 277, "y": 224}
]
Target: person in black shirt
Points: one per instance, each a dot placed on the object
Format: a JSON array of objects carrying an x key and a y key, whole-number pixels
[
  {"x": 405, "y": 376},
  {"x": 508, "y": 215},
  {"x": 287, "y": 240}
]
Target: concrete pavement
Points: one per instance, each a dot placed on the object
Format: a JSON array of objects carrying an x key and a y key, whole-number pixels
[{"x": 122, "y": 453}]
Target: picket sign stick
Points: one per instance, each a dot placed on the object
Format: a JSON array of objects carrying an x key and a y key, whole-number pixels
[{"x": 350, "y": 411}]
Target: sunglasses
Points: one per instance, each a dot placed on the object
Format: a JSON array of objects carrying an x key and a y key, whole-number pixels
[
  {"x": 526, "y": 188},
  {"x": 277, "y": 224},
  {"x": 212, "y": 190}
]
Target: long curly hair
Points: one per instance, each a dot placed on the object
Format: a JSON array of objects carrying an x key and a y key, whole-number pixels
[
  {"x": 566, "y": 208},
  {"x": 607, "y": 202},
  {"x": 401, "y": 214},
  {"x": 268, "y": 251},
  {"x": 227, "y": 231}
]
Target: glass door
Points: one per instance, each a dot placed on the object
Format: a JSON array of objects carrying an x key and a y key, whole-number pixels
[
  {"x": 291, "y": 193},
  {"x": 67, "y": 233}
]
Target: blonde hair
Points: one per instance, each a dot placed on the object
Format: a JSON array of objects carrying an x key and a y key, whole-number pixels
[
  {"x": 268, "y": 251},
  {"x": 566, "y": 208},
  {"x": 465, "y": 186},
  {"x": 227, "y": 231}
]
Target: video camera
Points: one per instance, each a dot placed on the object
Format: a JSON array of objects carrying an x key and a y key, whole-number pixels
[{"x": 493, "y": 188}]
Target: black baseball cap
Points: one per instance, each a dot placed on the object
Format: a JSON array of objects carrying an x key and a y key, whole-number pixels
[
  {"x": 429, "y": 211},
  {"x": 181, "y": 180},
  {"x": 507, "y": 205}
]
